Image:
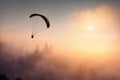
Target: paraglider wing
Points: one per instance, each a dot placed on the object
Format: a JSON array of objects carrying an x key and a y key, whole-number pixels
[{"x": 44, "y": 17}]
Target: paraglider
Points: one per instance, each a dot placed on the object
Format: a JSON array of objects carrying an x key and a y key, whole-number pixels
[{"x": 44, "y": 18}]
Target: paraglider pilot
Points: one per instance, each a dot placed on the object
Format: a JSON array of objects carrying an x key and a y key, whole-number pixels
[{"x": 32, "y": 36}]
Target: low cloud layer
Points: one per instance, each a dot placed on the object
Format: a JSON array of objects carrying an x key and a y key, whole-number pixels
[{"x": 39, "y": 65}]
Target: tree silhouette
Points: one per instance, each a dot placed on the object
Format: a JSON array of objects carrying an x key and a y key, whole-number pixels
[
  {"x": 18, "y": 78},
  {"x": 3, "y": 77},
  {"x": 48, "y": 48}
]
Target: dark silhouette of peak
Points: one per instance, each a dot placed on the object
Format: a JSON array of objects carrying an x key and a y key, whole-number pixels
[{"x": 3, "y": 77}]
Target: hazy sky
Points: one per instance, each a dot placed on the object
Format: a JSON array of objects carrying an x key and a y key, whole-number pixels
[
  {"x": 86, "y": 33},
  {"x": 14, "y": 18},
  {"x": 16, "y": 12}
]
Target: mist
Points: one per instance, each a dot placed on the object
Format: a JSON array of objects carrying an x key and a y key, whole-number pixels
[
  {"x": 49, "y": 65},
  {"x": 74, "y": 54}
]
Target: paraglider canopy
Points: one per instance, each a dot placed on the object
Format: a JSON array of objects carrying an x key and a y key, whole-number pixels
[{"x": 44, "y": 17}]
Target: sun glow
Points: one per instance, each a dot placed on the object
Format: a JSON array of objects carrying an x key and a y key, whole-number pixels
[{"x": 90, "y": 28}]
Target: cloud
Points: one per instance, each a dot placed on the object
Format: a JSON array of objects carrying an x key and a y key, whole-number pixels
[
  {"x": 103, "y": 18},
  {"x": 40, "y": 65},
  {"x": 106, "y": 16}
]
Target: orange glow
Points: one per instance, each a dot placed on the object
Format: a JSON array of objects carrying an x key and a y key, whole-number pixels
[
  {"x": 92, "y": 32},
  {"x": 84, "y": 34}
]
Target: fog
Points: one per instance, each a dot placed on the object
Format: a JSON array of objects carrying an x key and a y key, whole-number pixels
[
  {"x": 74, "y": 54},
  {"x": 47, "y": 65}
]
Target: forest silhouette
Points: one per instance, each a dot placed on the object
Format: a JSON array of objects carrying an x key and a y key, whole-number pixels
[{"x": 45, "y": 65}]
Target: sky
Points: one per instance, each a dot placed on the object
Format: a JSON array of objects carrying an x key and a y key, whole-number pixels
[
  {"x": 84, "y": 36},
  {"x": 16, "y": 12},
  {"x": 15, "y": 17},
  {"x": 68, "y": 19},
  {"x": 16, "y": 25}
]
